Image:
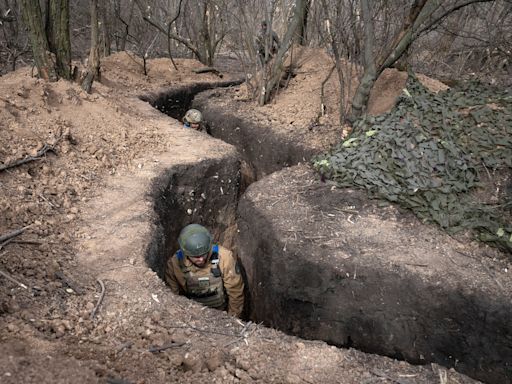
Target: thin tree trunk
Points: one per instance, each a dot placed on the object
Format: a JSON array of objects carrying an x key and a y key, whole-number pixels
[
  {"x": 420, "y": 11},
  {"x": 303, "y": 29},
  {"x": 93, "y": 66},
  {"x": 32, "y": 16},
  {"x": 126, "y": 32},
  {"x": 106, "y": 30},
  {"x": 362, "y": 94},
  {"x": 272, "y": 82}
]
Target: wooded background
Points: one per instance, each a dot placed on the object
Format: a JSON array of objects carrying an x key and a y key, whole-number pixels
[{"x": 449, "y": 40}]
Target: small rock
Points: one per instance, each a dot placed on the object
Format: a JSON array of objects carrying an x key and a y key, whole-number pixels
[
  {"x": 192, "y": 363},
  {"x": 244, "y": 364},
  {"x": 242, "y": 375},
  {"x": 214, "y": 361},
  {"x": 12, "y": 328}
]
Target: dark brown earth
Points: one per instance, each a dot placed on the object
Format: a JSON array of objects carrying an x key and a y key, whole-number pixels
[{"x": 108, "y": 198}]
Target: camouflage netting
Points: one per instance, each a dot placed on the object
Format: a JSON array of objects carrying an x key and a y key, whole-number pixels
[{"x": 429, "y": 154}]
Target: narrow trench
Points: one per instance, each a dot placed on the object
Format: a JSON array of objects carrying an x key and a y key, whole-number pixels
[
  {"x": 190, "y": 193},
  {"x": 208, "y": 192}
]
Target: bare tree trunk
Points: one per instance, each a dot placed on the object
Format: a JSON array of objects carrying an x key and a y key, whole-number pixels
[
  {"x": 169, "y": 26},
  {"x": 362, "y": 94},
  {"x": 106, "y": 30},
  {"x": 124, "y": 36},
  {"x": 419, "y": 12},
  {"x": 58, "y": 36},
  {"x": 33, "y": 19},
  {"x": 302, "y": 33},
  {"x": 93, "y": 66},
  {"x": 272, "y": 82}
]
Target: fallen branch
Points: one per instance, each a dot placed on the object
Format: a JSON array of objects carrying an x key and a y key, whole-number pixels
[
  {"x": 8, "y": 277},
  {"x": 12, "y": 234},
  {"x": 102, "y": 295},
  {"x": 172, "y": 344},
  {"x": 208, "y": 69},
  {"x": 5, "y": 243},
  {"x": 27, "y": 159}
]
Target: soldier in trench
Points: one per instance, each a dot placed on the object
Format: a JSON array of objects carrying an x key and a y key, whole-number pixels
[
  {"x": 267, "y": 43},
  {"x": 205, "y": 272},
  {"x": 194, "y": 119}
]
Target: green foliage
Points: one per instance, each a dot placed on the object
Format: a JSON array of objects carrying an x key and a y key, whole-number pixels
[{"x": 427, "y": 155}]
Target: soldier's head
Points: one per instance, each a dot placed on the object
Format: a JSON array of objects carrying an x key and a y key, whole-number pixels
[
  {"x": 264, "y": 25},
  {"x": 193, "y": 119},
  {"x": 196, "y": 243}
]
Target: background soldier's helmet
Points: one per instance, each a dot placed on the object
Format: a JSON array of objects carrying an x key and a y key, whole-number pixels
[
  {"x": 195, "y": 240},
  {"x": 193, "y": 116}
]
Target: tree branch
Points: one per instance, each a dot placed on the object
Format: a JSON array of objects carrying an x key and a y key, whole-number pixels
[
  {"x": 431, "y": 25},
  {"x": 178, "y": 38}
]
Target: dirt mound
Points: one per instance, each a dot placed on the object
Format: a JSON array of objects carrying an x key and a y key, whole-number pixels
[{"x": 299, "y": 105}]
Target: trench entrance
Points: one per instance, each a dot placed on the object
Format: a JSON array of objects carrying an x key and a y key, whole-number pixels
[{"x": 306, "y": 298}]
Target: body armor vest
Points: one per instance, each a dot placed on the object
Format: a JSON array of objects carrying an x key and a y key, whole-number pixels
[{"x": 206, "y": 286}]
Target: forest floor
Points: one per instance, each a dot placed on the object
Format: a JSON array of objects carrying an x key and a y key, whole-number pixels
[{"x": 52, "y": 329}]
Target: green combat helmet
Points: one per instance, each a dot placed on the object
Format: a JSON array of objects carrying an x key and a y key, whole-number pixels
[
  {"x": 193, "y": 116},
  {"x": 195, "y": 240}
]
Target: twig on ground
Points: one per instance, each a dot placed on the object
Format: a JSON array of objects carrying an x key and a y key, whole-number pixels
[
  {"x": 244, "y": 333},
  {"x": 379, "y": 373},
  {"x": 172, "y": 344},
  {"x": 353, "y": 211},
  {"x": 69, "y": 283},
  {"x": 208, "y": 69},
  {"x": 27, "y": 159},
  {"x": 35, "y": 242},
  {"x": 120, "y": 348},
  {"x": 12, "y": 234},
  {"x": 200, "y": 330},
  {"x": 9, "y": 277},
  {"x": 20, "y": 107},
  {"x": 102, "y": 295},
  {"x": 48, "y": 201},
  {"x": 5, "y": 243}
]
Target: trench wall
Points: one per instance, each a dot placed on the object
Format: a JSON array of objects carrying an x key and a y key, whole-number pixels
[
  {"x": 175, "y": 102},
  {"x": 262, "y": 149},
  {"x": 204, "y": 192},
  {"x": 350, "y": 290}
]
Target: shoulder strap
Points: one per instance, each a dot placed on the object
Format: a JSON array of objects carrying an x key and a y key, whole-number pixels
[
  {"x": 214, "y": 260},
  {"x": 215, "y": 252}
]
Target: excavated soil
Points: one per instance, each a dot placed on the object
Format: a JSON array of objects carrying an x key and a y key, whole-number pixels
[{"x": 100, "y": 209}]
